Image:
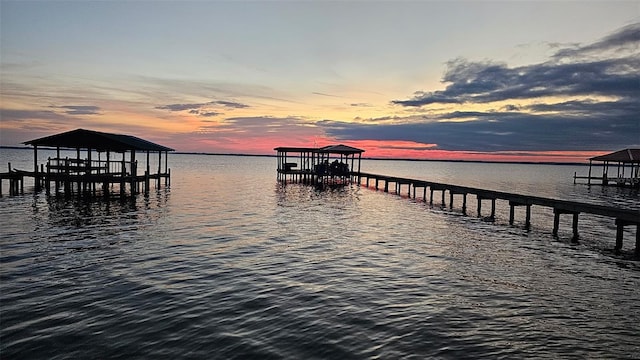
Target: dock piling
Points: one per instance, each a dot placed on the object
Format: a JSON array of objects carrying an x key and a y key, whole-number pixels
[
  {"x": 574, "y": 226},
  {"x": 623, "y": 217},
  {"x": 527, "y": 221}
]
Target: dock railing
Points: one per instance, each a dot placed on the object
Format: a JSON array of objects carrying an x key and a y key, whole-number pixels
[{"x": 90, "y": 167}]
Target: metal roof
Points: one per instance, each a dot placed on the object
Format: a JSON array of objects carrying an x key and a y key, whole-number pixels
[
  {"x": 95, "y": 140},
  {"x": 340, "y": 149},
  {"x": 330, "y": 149},
  {"x": 622, "y": 156}
]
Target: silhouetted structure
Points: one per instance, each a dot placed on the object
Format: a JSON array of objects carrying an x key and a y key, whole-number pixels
[
  {"x": 329, "y": 165},
  {"x": 627, "y": 164},
  {"x": 84, "y": 174}
]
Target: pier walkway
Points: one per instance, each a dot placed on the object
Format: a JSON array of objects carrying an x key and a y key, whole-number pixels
[{"x": 622, "y": 217}]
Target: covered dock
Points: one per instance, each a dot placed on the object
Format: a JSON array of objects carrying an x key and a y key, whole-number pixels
[
  {"x": 329, "y": 165},
  {"x": 88, "y": 172},
  {"x": 627, "y": 169}
]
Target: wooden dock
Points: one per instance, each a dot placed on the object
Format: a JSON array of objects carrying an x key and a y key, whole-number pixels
[
  {"x": 15, "y": 179},
  {"x": 626, "y": 163},
  {"x": 332, "y": 165},
  {"x": 622, "y": 217},
  {"x": 84, "y": 181},
  {"x": 86, "y": 175}
]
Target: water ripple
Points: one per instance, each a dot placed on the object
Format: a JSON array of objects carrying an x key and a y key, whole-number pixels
[{"x": 248, "y": 270}]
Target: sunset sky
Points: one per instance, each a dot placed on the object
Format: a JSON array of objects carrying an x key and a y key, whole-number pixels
[{"x": 475, "y": 80}]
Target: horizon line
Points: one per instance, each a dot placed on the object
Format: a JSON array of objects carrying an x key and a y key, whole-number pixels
[{"x": 363, "y": 158}]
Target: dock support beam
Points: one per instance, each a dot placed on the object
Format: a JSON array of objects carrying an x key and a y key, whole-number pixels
[
  {"x": 527, "y": 222},
  {"x": 620, "y": 224},
  {"x": 493, "y": 207},
  {"x": 464, "y": 201},
  {"x": 574, "y": 225}
]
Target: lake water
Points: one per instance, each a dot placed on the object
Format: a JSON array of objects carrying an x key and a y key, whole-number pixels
[{"x": 227, "y": 263}]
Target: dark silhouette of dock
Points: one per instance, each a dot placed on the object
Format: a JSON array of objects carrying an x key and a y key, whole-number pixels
[
  {"x": 332, "y": 165},
  {"x": 622, "y": 217},
  {"x": 626, "y": 163},
  {"x": 85, "y": 175}
]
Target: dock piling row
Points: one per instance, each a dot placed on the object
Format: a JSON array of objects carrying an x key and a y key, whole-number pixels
[{"x": 623, "y": 217}]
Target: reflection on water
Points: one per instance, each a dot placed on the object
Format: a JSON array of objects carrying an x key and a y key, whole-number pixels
[{"x": 228, "y": 263}]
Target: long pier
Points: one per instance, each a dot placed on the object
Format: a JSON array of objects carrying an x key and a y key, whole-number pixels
[{"x": 623, "y": 217}]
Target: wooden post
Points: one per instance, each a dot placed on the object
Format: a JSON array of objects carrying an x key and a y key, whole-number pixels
[
  {"x": 637, "y": 252},
  {"x": 450, "y": 199},
  {"x": 556, "y": 222},
  {"x": 88, "y": 181},
  {"x": 57, "y": 184},
  {"x": 443, "y": 202},
  {"x": 67, "y": 177},
  {"x": 47, "y": 187},
  {"x": 575, "y": 228},
  {"x": 619, "y": 235},
  {"x": 35, "y": 167},
  {"x": 511, "y": 213},
  {"x": 493, "y": 208},
  {"x": 123, "y": 175},
  {"x": 431, "y": 195},
  {"x": 134, "y": 172},
  {"x": 527, "y": 222},
  {"x": 479, "y": 200},
  {"x": 11, "y": 186},
  {"x": 464, "y": 203}
]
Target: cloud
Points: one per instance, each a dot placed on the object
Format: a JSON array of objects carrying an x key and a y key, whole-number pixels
[
  {"x": 252, "y": 134},
  {"x": 585, "y": 97},
  {"x": 360, "y": 105},
  {"x": 570, "y": 125},
  {"x": 204, "y": 109},
  {"x": 230, "y": 104},
  {"x": 485, "y": 82},
  {"x": 498, "y": 132},
  {"x": 295, "y": 130},
  {"x": 626, "y": 38},
  {"x": 24, "y": 115},
  {"x": 323, "y": 94},
  {"x": 209, "y": 114},
  {"x": 181, "y": 107},
  {"x": 79, "y": 109},
  {"x": 474, "y": 82}
]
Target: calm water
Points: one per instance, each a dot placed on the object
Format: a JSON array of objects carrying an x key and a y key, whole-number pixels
[{"x": 229, "y": 264}]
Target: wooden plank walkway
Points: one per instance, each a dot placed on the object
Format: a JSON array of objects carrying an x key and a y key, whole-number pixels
[
  {"x": 623, "y": 217},
  {"x": 81, "y": 183}
]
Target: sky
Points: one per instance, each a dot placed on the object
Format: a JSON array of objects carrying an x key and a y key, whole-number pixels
[{"x": 454, "y": 80}]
